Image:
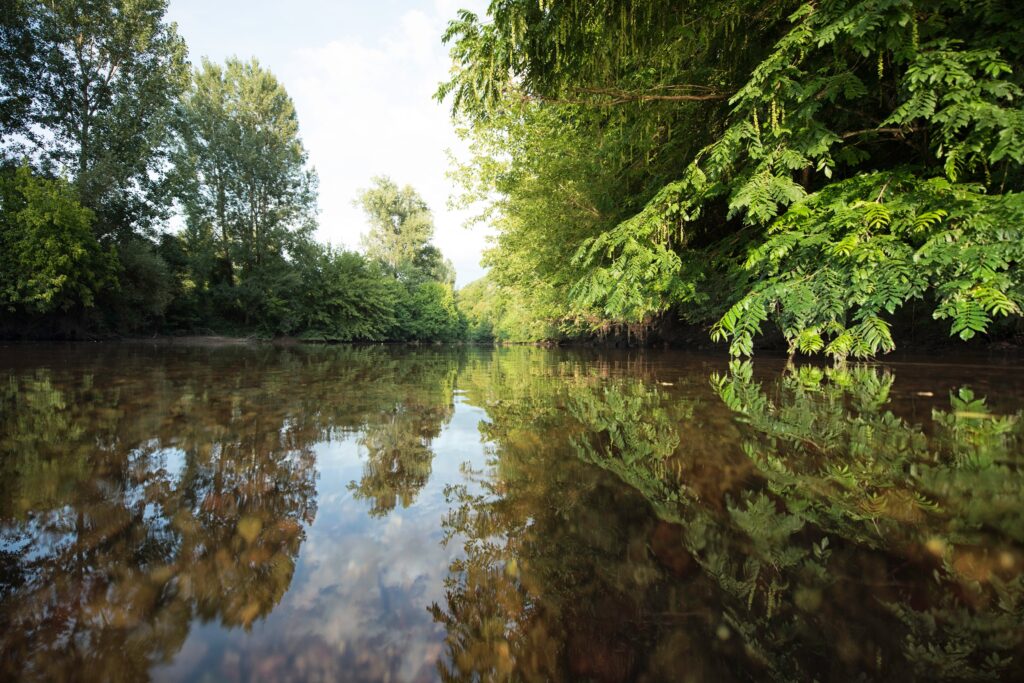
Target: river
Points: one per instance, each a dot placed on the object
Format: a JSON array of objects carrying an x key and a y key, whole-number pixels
[{"x": 257, "y": 513}]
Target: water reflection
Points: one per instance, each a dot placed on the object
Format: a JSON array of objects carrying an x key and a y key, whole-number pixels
[
  {"x": 398, "y": 446},
  {"x": 143, "y": 492},
  {"x": 253, "y": 513},
  {"x": 812, "y": 534}
]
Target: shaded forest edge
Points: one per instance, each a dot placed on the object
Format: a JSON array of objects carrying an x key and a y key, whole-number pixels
[{"x": 848, "y": 180}]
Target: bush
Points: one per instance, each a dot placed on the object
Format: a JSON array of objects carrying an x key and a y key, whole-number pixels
[{"x": 49, "y": 259}]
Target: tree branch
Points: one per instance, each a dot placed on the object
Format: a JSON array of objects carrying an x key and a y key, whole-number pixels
[
  {"x": 616, "y": 96},
  {"x": 697, "y": 93},
  {"x": 898, "y": 132}
]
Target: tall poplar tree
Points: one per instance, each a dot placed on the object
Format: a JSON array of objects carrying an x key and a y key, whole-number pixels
[
  {"x": 247, "y": 185},
  {"x": 109, "y": 73},
  {"x": 248, "y": 192}
]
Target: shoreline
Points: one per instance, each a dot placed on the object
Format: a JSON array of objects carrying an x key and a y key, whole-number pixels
[{"x": 993, "y": 352}]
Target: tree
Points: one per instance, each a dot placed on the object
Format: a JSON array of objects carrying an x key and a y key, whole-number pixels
[
  {"x": 426, "y": 311},
  {"x": 401, "y": 227},
  {"x": 856, "y": 156},
  {"x": 108, "y": 75},
  {"x": 503, "y": 314},
  {"x": 86, "y": 92},
  {"x": 49, "y": 259},
  {"x": 344, "y": 297},
  {"x": 252, "y": 188},
  {"x": 18, "y": 68},
  {"x": 248, "y": 193}
]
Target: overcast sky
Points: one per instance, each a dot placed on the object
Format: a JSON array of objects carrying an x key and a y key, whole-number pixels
[{"x": 362, "y": 73}]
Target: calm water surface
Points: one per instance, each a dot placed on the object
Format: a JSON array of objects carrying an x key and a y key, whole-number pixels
[{"x": 176, "y": 513}]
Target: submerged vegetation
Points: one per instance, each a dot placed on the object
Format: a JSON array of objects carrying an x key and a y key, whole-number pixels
[{"x": 810, "y": 167}]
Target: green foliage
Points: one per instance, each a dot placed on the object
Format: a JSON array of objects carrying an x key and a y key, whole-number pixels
[
  {"x": 88, "y": 92},
  {"x": 146, "y": 287},
  {"x": 343, "y": 297},
  {"x": 401, "y": 227},
  {"x": 426, "y": 312},
  {"x": 102, "y": 80},
  {"x": 49, "y": 259},
  {"x": 101, "y": 92},
  {"x": 835, "y": 265},
  {"x": 245, "y": 184},
  {"x": 502, "y": 314},
  {"x": 857, "y": 155},
  {"x": 250, "y": 197},
  {"x": 18, "y": 68}
]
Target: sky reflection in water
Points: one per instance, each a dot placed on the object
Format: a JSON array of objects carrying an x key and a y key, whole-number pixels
[{"x": 259, "y": 513}]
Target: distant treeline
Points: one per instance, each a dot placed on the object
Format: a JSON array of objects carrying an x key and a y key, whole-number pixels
[{"x": 107, "y": 131}]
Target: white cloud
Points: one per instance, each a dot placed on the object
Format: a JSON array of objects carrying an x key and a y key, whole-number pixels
[{"x": 365, "y": 107}]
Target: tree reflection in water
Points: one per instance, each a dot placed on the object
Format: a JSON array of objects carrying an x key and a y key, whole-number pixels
[
  {"x": 818, "y": 535},
  {"x": 141, "y": 494},
  {"x": 625, "y": 517},
  {"x": 397, "y": 442}
]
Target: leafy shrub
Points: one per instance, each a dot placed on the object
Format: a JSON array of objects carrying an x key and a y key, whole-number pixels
[{"x": 49, "y": 259}]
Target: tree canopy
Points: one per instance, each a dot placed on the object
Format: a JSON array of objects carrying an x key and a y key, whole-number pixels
[
  {"x": 97, "y": 84},
  {"x": 815, "y": 166},
  {"x": 401, "y": 228},
  {"x": 829, "y": 177},
  {"x": 106, "y": 132},
  {"x": 246, "y": 184}
]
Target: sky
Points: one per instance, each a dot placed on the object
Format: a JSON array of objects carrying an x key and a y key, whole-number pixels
[{"x": 362, "y": 74}]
